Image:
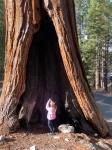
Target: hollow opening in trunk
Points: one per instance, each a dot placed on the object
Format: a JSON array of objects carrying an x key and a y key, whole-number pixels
[{"x": 45, "y": 78}]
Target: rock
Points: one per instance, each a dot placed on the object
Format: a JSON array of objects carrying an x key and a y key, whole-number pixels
[
  {"x": 1, "y": 143},
  {"x": 57, "y": 137},
  {"x": 88, "y": 144},
  {"x": 82, "y": 141},
  {"x": 105, "y": 146},
  {"x": 2, "y": 137},
  {"x": 67, "y": 140},
  {"x": 66, "y": 128},
  {"x": 33, "y": 148},
  {"x": 92, "y": 146},
  {"x": 96, "y": 135}
]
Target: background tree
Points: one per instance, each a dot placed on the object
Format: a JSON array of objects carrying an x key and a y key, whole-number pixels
[
  {"x": 97, "y": 31},
  {"x": 81, "y": 9}
]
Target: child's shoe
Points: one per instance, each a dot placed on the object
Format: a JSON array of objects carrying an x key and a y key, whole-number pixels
[{"x": 51, "y": 134}]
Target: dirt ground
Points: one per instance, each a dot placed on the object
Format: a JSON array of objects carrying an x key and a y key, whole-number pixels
[{"x": 37, "y": 135}]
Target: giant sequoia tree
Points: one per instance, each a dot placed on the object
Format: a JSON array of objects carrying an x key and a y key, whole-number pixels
[{"x": 43, "y": 60}]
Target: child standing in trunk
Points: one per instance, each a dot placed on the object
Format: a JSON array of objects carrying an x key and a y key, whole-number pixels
[{"x": 51, "y": 115}]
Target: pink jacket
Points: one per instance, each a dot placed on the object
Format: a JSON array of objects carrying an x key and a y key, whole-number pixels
[{"x": 51, "y": 115}]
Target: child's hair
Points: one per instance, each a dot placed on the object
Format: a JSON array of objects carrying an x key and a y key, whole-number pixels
[{"x": 53, "y": 104}]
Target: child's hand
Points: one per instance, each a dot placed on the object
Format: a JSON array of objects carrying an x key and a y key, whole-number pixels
[{"x": 50, "y": 99}]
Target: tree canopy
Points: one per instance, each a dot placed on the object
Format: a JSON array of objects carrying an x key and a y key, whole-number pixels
[{"x": 94, "y": 21}]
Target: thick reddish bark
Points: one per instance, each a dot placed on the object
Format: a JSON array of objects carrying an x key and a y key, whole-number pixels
[
  {"x": 64, "y": 20},
  {"x": 20, "y": 27}
]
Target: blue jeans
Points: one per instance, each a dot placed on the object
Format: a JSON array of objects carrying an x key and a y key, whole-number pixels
[{"x": 51, "y": 125}]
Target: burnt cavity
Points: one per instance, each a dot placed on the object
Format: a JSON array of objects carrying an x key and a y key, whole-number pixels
[{"x": 45, "y": 77}]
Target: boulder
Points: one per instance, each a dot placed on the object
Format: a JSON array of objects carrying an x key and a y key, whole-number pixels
[{"x": 66, "y": 128}]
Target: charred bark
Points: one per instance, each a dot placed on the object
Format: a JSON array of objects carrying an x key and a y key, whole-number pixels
[{"x": 45, "y": 64}]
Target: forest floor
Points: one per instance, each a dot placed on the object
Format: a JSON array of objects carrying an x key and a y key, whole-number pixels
[{"x": 38, "y": 135}]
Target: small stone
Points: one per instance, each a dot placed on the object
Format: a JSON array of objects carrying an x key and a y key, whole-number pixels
[
  {"x": 18, "y": 148},
  {"x": 67, "y": 140},
  {"x": 1, "y": 143},
  {"x": 105, "y": 146},
  {"x": 11, "y": 137},
  {"x": 33, "y": 148},
  {"x": 2, "y": 137},
  {"x": 92, "y": 146},
  {"x": 96, "y": 135},
  {"x": 82, "y": 141},
  {"x": 57, "y": 137}
]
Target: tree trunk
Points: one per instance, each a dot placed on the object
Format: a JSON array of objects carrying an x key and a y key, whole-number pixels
[
  {"x": 104, "y": 70},
  {"x": 97, "y": 70},
  {"x": 21, "y": 20},
  {"x": 42, "y": 61},
  {"x": 105, "y": 66}
]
